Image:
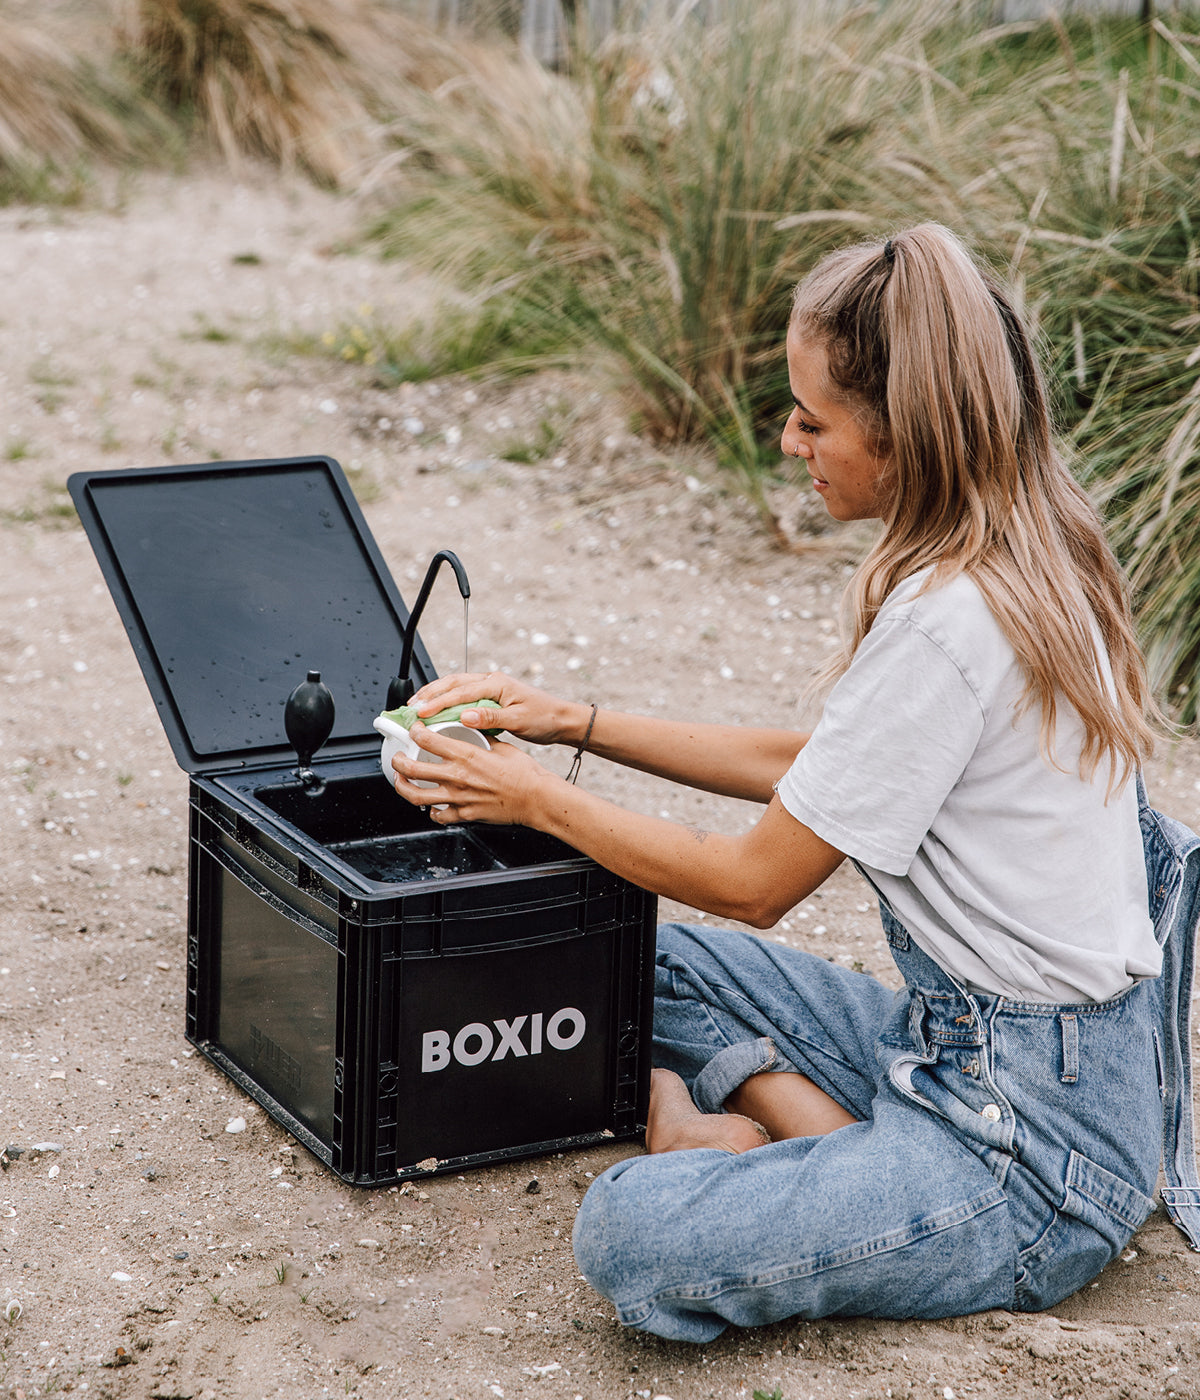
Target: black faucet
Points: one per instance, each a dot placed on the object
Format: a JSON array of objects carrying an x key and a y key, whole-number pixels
[{"x": 401, "y": 688}]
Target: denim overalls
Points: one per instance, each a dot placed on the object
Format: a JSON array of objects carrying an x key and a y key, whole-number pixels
[{"x": 1005, "y": 1153}]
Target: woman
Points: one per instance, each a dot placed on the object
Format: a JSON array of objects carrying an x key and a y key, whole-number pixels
[{"x": 990, "y": 1136}]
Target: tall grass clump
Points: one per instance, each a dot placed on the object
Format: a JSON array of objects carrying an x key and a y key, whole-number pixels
[
  {"x": 57, "y": 113},
  {"x": 1108, "y": 248},
  {"x": 300, "y": 82},
  {"x": 662, "y": 198}
]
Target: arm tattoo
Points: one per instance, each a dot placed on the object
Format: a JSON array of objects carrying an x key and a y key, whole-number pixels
[{"x": 700, "y": 835}]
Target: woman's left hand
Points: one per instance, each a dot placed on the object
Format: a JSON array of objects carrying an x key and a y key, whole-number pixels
[{"x": 495, "y": 786}]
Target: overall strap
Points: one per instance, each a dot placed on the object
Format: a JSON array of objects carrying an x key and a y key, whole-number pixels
[{"x": 1173, "y": 876}]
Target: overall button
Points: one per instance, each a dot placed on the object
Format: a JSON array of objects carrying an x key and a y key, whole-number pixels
[{"x": 991, "y": 1112}]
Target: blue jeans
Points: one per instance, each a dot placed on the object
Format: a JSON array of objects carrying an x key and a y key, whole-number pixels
[{"x": 1005, "y": 1152}]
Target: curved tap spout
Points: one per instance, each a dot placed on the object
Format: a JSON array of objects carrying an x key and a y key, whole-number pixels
[{"x": 401, "y": 688}]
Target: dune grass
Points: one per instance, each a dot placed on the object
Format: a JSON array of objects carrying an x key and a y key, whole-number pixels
[
  {"x": 58, "y": 112},
  {"x": 653, "y": 208},
  {"x": 303, "y": 83}
]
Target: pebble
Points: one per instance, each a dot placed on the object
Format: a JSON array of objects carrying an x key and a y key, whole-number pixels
[
  {"x": 40, "y": 1147},
  {"x": 236, "y": 1125},
  {"x": 121, "y": 1278},
  {"x": 538, "y": 1371}
]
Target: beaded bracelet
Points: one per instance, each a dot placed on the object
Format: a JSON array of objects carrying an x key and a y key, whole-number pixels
[{"x": 578, "y": 759}]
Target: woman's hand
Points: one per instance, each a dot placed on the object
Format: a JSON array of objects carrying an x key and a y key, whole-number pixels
[
  {"x": 525, "y": 712},
  {"x": 497, "y": 786}
]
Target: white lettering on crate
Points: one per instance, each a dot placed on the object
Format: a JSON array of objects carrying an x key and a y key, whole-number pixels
[{"x": 477, "y": 1041}]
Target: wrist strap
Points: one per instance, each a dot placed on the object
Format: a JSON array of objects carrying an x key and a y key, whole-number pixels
[{"x": 578, "y": 759}]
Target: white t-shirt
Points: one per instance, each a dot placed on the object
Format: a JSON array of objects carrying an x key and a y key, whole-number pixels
[{"x": 1016, "y": 877}]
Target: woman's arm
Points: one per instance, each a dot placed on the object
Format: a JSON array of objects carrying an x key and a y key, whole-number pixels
[
  {"x": 732, "y": 760},
  {"x": 754, "y": 878}
]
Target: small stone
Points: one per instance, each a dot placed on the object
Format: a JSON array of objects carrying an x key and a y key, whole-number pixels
[
  {"x": 427, "y": 1164},
  {"x": 119, "y": 1277},
  {"x": 533, "y": 1188},
  {"x": 493, "y": 1331},
  {"x": 40, "y": 1147},
  {"x": 236, "y": 1125}
]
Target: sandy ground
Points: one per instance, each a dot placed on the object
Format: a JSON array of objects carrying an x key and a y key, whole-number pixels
[{"x": 145, "y": 1251}]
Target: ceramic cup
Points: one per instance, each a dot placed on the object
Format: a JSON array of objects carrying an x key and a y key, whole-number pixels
[{"x": 397, "y": 739}]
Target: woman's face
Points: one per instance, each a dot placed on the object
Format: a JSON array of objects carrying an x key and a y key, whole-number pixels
[{"x": 828, "y": 435}]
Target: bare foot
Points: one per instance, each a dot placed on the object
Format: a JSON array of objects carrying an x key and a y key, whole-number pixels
[{"x": 675, "y": 1123}]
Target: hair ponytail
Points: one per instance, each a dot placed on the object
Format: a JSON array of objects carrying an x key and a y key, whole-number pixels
[{"x": 922, "y": 338}]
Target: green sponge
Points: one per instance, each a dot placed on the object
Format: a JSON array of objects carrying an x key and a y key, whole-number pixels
[{"x": 406, "y": 716}]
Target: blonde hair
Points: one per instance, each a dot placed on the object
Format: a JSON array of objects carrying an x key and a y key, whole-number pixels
[{"x": 924, "y": 342}]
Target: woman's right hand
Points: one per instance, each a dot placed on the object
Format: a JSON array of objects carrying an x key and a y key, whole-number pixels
[{"x": 525, "y": 712}]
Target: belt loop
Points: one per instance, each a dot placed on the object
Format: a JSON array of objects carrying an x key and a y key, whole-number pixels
[{"x": 1069, "y": 1025}]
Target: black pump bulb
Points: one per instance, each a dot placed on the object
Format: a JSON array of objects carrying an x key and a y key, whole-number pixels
[
  {"x": 308, "y": 720},
  {"x": 401, "y": 688}
]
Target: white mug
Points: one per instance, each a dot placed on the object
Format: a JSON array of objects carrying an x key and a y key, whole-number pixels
[{"x": 397, "y": 739}]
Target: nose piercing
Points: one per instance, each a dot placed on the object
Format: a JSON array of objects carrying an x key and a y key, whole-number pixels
[{"x": 796, "y": 453}]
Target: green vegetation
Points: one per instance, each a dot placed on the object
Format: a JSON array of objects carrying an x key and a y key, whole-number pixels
[
  {"x": 51, "y": 507},
  {"x": 17, "y": 449}
]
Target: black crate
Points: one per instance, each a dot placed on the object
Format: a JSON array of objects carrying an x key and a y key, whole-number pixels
[{"x": 403, "y": 997}]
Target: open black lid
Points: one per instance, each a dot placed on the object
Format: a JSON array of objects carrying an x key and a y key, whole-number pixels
[{"x": 233, "y": 580}]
